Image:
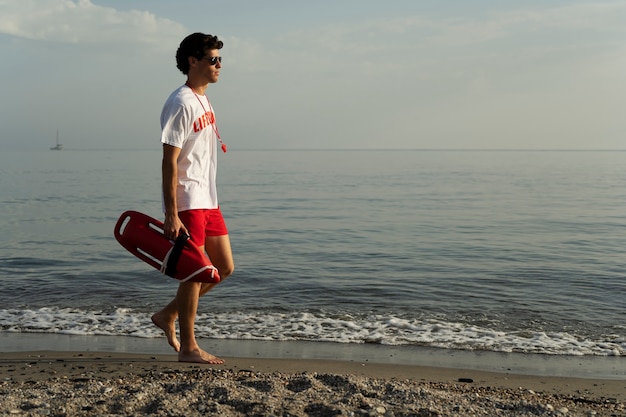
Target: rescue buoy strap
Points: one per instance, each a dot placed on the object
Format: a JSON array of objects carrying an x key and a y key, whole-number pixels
[{"x": 174, "y": 256}]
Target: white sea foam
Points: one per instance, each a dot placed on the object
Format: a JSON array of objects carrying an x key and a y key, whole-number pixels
[{"x": 345, "y": 329}]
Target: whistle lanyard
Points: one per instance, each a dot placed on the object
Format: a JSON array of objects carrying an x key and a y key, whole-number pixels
[{"x": 214, "y": 124}]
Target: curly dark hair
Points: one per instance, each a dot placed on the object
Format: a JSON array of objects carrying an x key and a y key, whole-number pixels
[{"x": 195, "y": 45}]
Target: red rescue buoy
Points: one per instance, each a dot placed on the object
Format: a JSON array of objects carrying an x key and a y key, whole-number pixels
[{"x": 143, "y": 236}]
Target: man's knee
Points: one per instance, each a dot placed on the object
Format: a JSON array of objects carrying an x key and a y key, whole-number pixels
[{"x": 226, "y": 271}]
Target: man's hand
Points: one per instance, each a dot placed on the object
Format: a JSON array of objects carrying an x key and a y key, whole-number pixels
[{"x": 173, "y": 227}]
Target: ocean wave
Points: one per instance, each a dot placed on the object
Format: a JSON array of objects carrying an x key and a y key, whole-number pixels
[{"x": 316, "y": 326}]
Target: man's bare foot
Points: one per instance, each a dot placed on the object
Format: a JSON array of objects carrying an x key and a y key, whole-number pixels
[
  {"x": 168, "y": 328},
  {"x": 199, "y": 356}
]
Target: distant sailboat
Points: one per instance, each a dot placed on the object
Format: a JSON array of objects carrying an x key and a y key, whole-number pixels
[{"x": 58, "y": 147}]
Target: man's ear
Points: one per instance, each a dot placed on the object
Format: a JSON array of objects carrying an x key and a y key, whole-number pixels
[{"x": 192, "y": 61}]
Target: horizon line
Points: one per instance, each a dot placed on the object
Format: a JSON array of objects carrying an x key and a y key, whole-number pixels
[{"x": 359, "y": 149}]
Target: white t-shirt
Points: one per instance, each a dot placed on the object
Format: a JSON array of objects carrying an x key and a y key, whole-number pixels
[{"x": 187, "y": 125}]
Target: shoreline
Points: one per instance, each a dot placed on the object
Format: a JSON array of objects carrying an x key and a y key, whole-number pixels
[
  {"x": 591, "y": 367},
  {"x": 97, "y": 383}
]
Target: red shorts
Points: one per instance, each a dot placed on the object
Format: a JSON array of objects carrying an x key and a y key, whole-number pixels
[{"x": 202, "y": 223}]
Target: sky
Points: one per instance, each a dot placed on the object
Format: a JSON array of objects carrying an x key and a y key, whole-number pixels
[{"x": 326, "y": 74}]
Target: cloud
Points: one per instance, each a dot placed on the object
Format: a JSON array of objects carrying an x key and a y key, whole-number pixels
[
  {"x": 433, "y": 46},
  {"x": 83, "y": 22}
]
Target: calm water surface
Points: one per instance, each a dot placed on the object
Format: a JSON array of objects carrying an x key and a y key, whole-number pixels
[{"x": 475, "y": 250}]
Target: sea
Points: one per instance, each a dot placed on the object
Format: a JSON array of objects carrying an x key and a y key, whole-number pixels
[{"x": 472, "y": 252}]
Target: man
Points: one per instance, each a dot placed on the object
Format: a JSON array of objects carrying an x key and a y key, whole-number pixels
[{"x": 189, "y": 137}]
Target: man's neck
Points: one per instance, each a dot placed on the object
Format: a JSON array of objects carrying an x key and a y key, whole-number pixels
[{"x": 197, "y": 87}]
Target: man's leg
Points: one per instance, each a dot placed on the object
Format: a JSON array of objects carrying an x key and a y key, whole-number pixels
[
  {"x": 165, "y": 319},
  {"x": 220, "y": 253},
  {"x": 187, "y": 300}
]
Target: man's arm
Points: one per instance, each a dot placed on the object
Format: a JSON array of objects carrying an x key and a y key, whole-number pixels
[{"x": 169, "y": 171}]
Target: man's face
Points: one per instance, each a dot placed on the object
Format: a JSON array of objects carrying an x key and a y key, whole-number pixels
[{"x": 210, "y": 66}]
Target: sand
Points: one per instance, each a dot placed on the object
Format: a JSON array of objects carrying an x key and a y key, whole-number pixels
[{"x": 100, "y": 384}]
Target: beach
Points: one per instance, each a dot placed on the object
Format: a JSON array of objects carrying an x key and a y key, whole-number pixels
[{"x": 82, "y": 383}]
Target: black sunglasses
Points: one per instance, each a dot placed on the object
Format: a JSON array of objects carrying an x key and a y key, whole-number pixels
[{"x": 214, "y": 59}]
